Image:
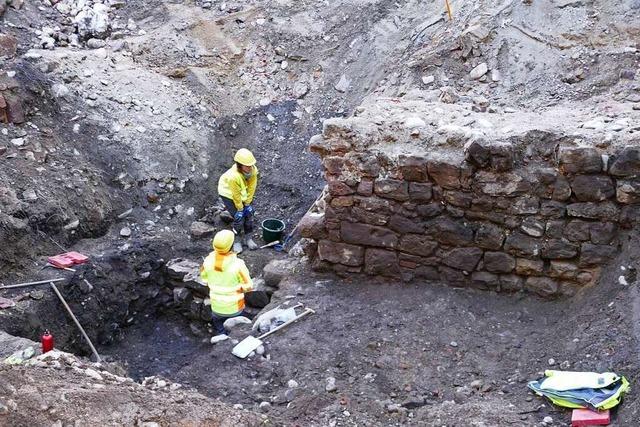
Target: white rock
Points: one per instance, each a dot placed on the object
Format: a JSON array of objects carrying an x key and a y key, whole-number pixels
[
  {"x": 495, "y": 75},
  {"x": 300, "y": 89},
  {"x": 264, "y": 406},
  {"x": 453, "y": 344},
  {"x": 428, "y": 79},
  {"x": 292, "y": 384},
  {"x": 232, "y": 322},
  {"x": 551, "y": 361},
  {"x": 547, "y": 420},
  {"x": 30, "y": 195},
  {"x": 125, "y": 232},
  {"x": 331, "y": 385},
  {"x": 60, "y": 91},
  {"x": 597, "y": 124},
  {"x": 93, "y": 374},
  {"x": 343, "y": 84},
  {"x": 284, "y": 65},
  {"x": 265, "y": 101},
  {"x": 72, "y": 225},
  {"x": 18, "y": 142},
  {"x": 76, "y": 128},
  {"x": 93, "y": 21},
  {"x": 260, "y": 350},
  {"x": 414, "y": 122},
  {"x": 622, "y": 281},
  {"x": 479, "y": 71},
  {"x": 219, "y": 338}
]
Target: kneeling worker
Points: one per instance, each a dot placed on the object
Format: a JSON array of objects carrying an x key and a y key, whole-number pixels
[
  {"x": 228, "y": 279},
  {"x": 236, "y": 188}
]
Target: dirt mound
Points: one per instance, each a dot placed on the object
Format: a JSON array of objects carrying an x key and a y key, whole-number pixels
[{"x": 62, "y": 391}]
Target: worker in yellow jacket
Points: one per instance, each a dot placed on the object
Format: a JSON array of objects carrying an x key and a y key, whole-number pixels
[
  {"x": 236, "y": 188},
  {"x": 228, "y": 279}
]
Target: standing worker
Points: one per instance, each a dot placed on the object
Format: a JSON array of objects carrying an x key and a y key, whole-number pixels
[
  {"x": 228, "y": 279},
  {"x": 236, "y": 188}
]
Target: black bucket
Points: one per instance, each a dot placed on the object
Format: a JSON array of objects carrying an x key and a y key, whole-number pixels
[{"x": 272, "y": 230}]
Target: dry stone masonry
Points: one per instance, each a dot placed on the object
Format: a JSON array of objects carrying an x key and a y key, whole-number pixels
[{"x": 413, "y": 196}]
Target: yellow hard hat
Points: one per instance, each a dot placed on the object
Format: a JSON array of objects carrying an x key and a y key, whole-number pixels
[
  {"x": 223, "y": 240},
  {"x": 244, "y": 157}
]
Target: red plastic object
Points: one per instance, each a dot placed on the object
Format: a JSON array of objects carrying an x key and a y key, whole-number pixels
[
  {"x": 67, "y": 259},
  {"x": 47, "y": 342},
  {"x": 587, "y": 417},
  {"x": 77, "y": 257},
  {"x": 60, "y": 261}
]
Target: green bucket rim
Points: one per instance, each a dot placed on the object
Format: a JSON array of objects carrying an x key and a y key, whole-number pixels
[{"x": 272, "y": 230}]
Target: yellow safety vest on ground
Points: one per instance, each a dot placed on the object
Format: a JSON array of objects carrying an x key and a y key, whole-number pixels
[
  {"x": 233, "y": 185},
  {"x": 228, "y": 279}
]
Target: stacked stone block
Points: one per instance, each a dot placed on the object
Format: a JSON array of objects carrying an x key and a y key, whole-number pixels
[{"x": 492, "y": 216}]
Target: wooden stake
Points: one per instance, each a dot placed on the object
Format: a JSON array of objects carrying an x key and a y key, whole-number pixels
[
  {"x": 448, "y": 10},
  {"x": 42, "y": 282}
]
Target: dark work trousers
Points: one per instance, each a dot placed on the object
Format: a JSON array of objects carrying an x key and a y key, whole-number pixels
[
  {"x": 218, "y": 321},
  {"x": 246, "y": 223}
]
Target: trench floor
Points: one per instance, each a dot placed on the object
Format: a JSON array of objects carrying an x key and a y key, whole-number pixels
[{"x": 440, "y": 351}]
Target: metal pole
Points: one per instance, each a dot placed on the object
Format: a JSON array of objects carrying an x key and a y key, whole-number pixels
[
  {"x": 22, "y": 285},
  {"x": 84, "y": 334}
]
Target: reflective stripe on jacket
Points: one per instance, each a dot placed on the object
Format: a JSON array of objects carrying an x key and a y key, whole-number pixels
[
  {"x": 233, "y": 185},
  {"x": 228, "y": 279}
]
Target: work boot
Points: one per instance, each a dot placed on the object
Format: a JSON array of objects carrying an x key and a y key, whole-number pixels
[
  {"x": 237, "y": 247},
  {"x": 248, "y": 241}
]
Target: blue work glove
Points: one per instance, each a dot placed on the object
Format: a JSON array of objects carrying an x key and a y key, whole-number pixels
[
  {"x": 238, "y": 216},
  {"x": 248, "y": 210}
]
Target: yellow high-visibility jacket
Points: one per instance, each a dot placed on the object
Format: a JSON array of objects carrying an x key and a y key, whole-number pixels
[
  {"x": 234, "y": 186},
  {"x": 228, "y": 279}
]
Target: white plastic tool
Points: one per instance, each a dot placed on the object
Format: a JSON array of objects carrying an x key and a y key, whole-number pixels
[{"x": 251, "y": 343}]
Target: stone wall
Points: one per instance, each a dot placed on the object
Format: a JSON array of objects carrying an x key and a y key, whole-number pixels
[{"x": 535, "y": 212}]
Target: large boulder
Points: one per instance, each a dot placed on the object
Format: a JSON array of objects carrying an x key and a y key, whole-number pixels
[
  {"x": 278, "y": 269},
  {"x": 200, "y": 229},
  {"x": 381, "y": 262},
  {"x": 580, "y": 160},
  {"x": 543, "y": 286},
  {"x": 626, "y": 163},
  {"x": 603, "y": 211},
  {"x": 368, "y": 235},
  {"x": 464, "y": 259},
  {"x": 489, "y": 236},
  {"x": 178, "y": 268},
  {"x": 340, "y": 253},
  {"x": 499, "y": 262},
  {"x": 417, "y": 244},
  {"x": 521, "y": 245},
  {"x": 450, "y": 232},
  {"x": 392, "y": 189},
  {"x": 592, "y": 188}
]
